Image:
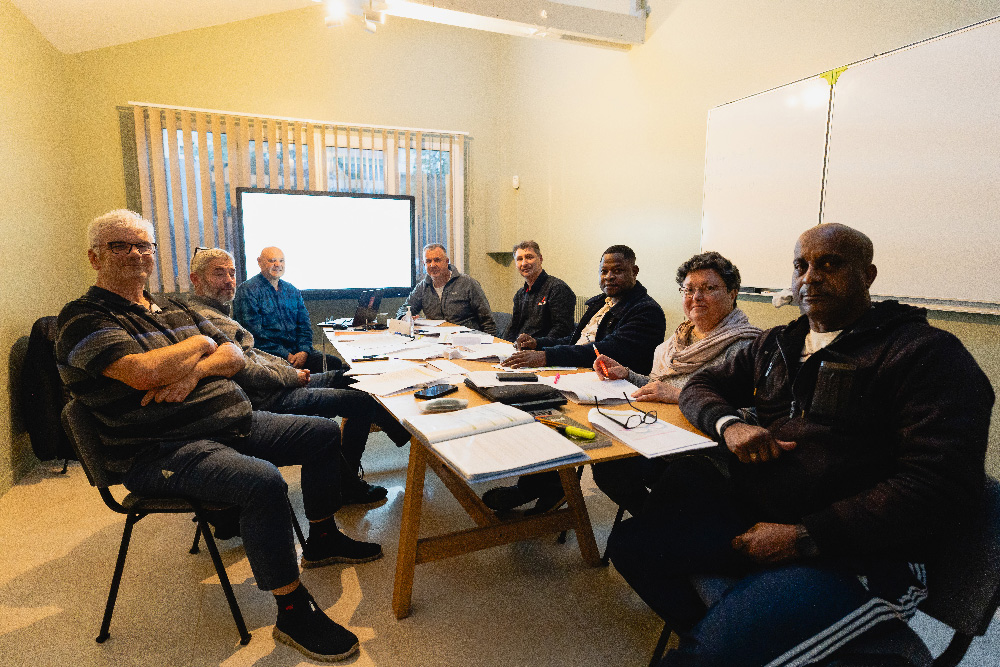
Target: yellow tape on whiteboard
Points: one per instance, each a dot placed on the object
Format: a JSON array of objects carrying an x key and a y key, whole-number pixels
[{"x": 832, "y": 76}]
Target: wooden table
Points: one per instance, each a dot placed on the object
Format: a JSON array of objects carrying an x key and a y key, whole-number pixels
[{"x": 491, "y": 531}]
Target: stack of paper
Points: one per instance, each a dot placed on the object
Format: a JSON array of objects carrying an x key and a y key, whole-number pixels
[
  {"x": 494, "y": 441},
  {"x": 651, "y": 440},
  {"x": 397, "y": 381},
  {"x": 379, "y": 367},
  {"x": 484, "y": 352},
  {"x": 588, "y": 388}
]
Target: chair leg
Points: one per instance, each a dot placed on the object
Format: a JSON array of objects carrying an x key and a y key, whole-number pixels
[
  {"x": 296, "y": 526},
  {"x": 227, "y": 587},
  {"x": 618, "y": 520},
  {"x": 661, "y": 646},
  {"x": 116, "y": 578},
  {"x": 197, "y": 536}
]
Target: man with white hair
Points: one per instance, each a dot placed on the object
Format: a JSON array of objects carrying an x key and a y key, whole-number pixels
[
  {"x": 272, "y": 383},
  {"x": 272, "y": 310},
  {"x": 155, "y": 375}
]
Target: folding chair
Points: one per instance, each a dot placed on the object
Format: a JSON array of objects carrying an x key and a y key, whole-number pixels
[{"x": 81, "y": 428}]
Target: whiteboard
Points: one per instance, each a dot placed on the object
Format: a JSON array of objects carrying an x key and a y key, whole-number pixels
[
  {"x": 914, "y": 162},
  {"x": 763, "y": 178},
  {"x": 912, "y": 159}
]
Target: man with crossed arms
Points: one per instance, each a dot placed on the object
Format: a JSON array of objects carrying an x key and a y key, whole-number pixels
[{"x": 155, "y": 375}]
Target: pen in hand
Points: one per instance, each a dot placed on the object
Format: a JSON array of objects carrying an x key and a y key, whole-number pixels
[{"x": 600, "y": 362}]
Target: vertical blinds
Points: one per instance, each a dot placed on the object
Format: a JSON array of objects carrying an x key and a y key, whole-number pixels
[{"x": 190, "y": 162}]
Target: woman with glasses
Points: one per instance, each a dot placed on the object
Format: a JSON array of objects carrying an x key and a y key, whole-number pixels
[{"x": 713, "y": 330}]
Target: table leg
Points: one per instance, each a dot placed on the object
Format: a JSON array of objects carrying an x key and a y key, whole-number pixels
[
  {"x": 406, "y": 558},
  {"x": 584, "y": 531}
]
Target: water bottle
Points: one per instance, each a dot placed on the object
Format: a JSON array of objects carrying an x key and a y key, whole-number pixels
[{"x": 409, "y": 318}]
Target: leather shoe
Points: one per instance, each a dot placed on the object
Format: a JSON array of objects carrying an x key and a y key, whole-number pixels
[{"x": 506, "y": 498}]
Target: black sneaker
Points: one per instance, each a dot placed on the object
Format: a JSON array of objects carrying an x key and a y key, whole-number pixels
[
  {"x": 335, "y": 547},
  {"x": 360, "y": 492},
  {"x": 312, "y": 632}
]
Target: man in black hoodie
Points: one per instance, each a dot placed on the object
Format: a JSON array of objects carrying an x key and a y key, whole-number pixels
[{"x": 855, "y": 439}]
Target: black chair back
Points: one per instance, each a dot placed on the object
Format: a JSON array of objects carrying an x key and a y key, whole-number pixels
[
  {"x": 964, "y": 582},
  {"x": 81, "y": 427}
]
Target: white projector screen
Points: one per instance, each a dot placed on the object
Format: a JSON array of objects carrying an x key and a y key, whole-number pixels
[{"x": 331, "y": 241}]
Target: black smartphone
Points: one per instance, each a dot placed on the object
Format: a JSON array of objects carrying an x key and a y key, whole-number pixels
[
  {"x": 517, "y": 377},
  {"x": 435, "y": 390}
]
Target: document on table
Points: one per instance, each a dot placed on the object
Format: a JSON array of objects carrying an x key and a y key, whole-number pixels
[
  {"x": 588, "y": 387},
  {"x": 421, "y": 322},
  {"x": 651, "y": 440},
  {"x": 355, "y": 348},
  {"x": 483, "y": 352},
  {"x": 449, "y": 367},
  {"x": 507, "y": 452},
  {"x": 493, "y": 441},
  {"x": 397, "y": 381},
  {"x": 379, "y": 367},
  {"x": 426, "y": 350}
]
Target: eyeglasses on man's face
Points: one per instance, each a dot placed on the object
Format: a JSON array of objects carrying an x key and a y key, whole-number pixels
[
  {"x": 633, "y": 421},
  {"x": 706, "y": 290},
  {"x": 124, "y": 247}
]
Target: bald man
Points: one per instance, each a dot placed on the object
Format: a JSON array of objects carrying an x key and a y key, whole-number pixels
[
  {"x": 274, "y": 312},
  {"x": 855, "y": 439}
]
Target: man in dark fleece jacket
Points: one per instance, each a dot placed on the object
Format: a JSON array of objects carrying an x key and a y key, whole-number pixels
[
  {"x": 624, "y": 321},
  {"x": 855, "y": 438}
]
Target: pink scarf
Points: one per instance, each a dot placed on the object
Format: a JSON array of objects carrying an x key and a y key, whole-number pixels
[{"x": 679, "y": 356}]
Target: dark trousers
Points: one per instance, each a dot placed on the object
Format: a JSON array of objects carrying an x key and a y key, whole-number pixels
[
  {"x": 244, "y": 472},
  {"x": 794, "y": 613}
]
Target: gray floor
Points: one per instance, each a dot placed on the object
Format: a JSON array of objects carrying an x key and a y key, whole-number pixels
[{"x": 532, "y": 603}]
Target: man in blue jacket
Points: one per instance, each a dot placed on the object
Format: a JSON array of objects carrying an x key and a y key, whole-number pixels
[
  {"x": 624, "y": 321},
  {"x": 274, "y": 312}
]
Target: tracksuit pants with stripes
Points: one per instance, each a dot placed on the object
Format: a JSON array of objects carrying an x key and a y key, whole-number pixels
[{"x": 795, "y": 613}]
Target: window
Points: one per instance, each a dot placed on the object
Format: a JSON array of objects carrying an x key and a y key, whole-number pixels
[{"x": 189, "y": 163}]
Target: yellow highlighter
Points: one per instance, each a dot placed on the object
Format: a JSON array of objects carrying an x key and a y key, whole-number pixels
[{"x": 571, "y": 431}]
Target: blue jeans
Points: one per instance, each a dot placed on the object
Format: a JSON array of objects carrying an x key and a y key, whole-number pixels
[
  {"x": 793, "y": 613},
  {"x": 358, "y": 408},
  {"x": 244, "y": 472}
]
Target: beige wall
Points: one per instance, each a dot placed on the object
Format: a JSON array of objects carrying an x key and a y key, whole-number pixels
[
  {"x": 609, "y": 146},
  {"x": 38, "y": 217},
  {"x": 408, "y": 75}
]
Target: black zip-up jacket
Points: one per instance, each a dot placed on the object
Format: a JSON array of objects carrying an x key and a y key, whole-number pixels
[
  {"x": 629, "y": 333},
  {"x": 544, "y": 309},
  {"x": 891, "y": 421}
]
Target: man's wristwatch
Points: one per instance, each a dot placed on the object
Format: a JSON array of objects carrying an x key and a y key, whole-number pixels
[{"x": 805, "y": 545}]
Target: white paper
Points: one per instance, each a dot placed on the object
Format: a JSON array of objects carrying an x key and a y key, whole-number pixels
[
  {"x": 507, "y": 451},
  {"x": 397, "y": 381},
  {"x": 588, "y": 387},
  {"x": 421, "y": 322},
  {"x": 651, "y": 440},
  {"x": 499, "y": 351},
  {"x": 449, "y": 367},
  {"x": 482, "y": 418},
  {"x": 379, "y": 367}
]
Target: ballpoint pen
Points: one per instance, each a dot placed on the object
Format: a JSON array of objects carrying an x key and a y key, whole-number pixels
[{"x": 600, "y": 362}]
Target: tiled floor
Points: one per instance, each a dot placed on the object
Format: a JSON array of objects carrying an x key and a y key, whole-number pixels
[{"x": 532, "y": 603}]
